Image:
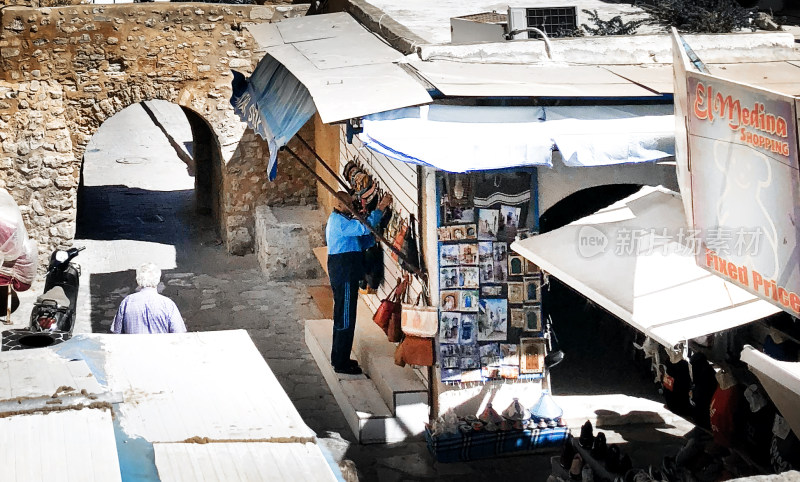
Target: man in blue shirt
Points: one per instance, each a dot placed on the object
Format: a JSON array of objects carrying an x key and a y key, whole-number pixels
[
  {"x": 147, "y": 311},
  {"x": 345, "y": 270}
]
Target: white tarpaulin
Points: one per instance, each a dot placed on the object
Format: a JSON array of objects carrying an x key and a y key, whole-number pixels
[
  {"x": 471, "y": 138},
  {"x": 634, "y": 258}
]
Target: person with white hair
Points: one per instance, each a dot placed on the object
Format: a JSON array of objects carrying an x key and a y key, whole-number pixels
[{"x": 147, "y": 311}]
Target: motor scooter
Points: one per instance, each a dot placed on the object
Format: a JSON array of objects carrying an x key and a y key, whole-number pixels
[{"x": 54, "y": 310}]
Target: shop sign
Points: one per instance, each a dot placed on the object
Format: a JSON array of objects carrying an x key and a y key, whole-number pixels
[{"x": 746, "y": 186}]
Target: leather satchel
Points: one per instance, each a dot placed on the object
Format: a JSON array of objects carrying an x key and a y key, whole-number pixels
[
  {"x": 399, "y": 239},
  {"x": 420, "y": 320},
  {"x": 387, "y": 308},
  {"x": 414, "y": 350},
  {"x": 394, "y": 331}
]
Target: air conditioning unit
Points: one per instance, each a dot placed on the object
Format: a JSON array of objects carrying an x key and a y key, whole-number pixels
[{"x": 553, "y": 21}]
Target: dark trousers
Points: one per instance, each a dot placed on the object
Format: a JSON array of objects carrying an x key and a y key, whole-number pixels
[
  {"x": 344, "y": 270},
  {"x": 345, "y": 299}
]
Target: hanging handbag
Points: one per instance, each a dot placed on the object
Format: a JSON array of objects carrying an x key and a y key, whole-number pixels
[
  {"x": 420, "y": 320},
  {"x": 394, "y": 331},
  {"x": 410, "y": 260},
  {"x": 387, "y": 307},
  {"x": 399, "y": 238},
  {"x": 414, "y": 350}
]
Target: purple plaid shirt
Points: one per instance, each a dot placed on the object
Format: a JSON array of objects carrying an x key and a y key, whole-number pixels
[{"x": 147, "y": 312}]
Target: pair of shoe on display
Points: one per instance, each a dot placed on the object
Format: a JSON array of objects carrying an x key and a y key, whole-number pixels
[{"x": 351, "y": 368}]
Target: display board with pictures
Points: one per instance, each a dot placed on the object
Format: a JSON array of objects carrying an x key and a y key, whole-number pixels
[{"x": 490, "y": 297}]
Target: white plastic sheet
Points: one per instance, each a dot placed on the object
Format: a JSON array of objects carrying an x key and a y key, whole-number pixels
[{"x": 12, "y": 229}]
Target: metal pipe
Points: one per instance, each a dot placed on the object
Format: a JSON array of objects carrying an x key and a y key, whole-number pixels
[
  {"x": 348, "y": 202},
  {"x": 327, "y": 167}
]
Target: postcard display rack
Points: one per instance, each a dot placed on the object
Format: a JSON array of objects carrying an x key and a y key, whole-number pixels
[{"x": 490, "y": 316}]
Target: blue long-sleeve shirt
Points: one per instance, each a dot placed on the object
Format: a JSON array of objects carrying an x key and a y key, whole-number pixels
[{"x": 344, "y": 235}]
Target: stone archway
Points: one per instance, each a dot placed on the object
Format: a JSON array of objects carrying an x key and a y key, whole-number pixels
[{"x": 65, "y": 70}]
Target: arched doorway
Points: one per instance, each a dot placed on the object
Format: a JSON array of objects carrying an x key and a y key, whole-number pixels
[
  {"x": 599, "y": 354},
  {"x": 146, "y": 195}
]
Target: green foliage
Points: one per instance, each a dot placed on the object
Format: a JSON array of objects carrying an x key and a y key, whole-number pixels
[
  {"x": 615, "y": 26},
  {"x": 700, "y": 16}
]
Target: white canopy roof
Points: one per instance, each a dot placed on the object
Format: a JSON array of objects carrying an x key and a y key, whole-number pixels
[
  {"x": 347, "y": 69},
  {"x": 469, "y": 138},
  {"x": 652, "y": 284}
]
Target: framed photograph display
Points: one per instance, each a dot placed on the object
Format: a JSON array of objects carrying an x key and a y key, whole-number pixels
[
  {"x": 449, "y": 254},
  {"x": 533, "y": 289},
  {"x": 468, "y": 300},
  {"x": 448, "y": 327},
  {"x": 459, "y": 215},
  {"x": 490, "y": 354},
  {"x": 450, "y": 300},
  {"x": 531, "y": 268},
  {"x": 491, "y": 290},
  {"x": 448, "y": 278},
  {"x": 516, "y": 265},
  {"x": 467, "y": 253},
  {"x": 500, "y": 259},
  {"x": 451, "y": 374},
  {"x": 488, "y": 223},
  {"x": 458, "y": 232},
  {"x": 509, "y": 354},
  {"x": 533, "y": 318},
  {"x": 510, "y": 372},
  {"x": 444, "y": 233},
  {"x": 517, "y": 316},
  {"x": 468, "y": 277},
  {"x": 492, "y": 319},
  {"x": 468, "y": 329},
  {"x": 516, "y": 292},
  {"x": 531, "y": 355},
  {"x": 510, "y": 216}
]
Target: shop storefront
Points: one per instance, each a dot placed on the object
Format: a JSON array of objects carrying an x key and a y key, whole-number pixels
[{"x": 466, "y": 180}]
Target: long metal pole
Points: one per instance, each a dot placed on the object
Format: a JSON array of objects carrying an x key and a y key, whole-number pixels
[
  {"x": 347, "y": 202},
  {"x": 324, "y": 164}
]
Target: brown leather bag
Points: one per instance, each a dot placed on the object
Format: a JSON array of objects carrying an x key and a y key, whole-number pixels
[
  {"x": 414, "y": 350},
  {"x": 387, "y": 307},
  {"x": 395, "y": 329}
]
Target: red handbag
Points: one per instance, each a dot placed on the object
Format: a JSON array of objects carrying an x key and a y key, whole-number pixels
[
  {"x": 394, "y": 331},
  {"x": 387, "y": 308}
]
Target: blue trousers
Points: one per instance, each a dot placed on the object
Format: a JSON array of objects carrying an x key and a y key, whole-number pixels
[{"x": 345, "y": 271}]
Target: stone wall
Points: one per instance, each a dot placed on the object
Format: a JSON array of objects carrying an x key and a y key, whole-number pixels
[{"x": 66, "y": 70}]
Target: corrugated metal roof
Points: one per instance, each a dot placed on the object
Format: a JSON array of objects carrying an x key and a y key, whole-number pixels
[
  {"x": 71, "y": 446},
  {"x": 241, "y": 461},
  {"x": 336, "y": 58}
]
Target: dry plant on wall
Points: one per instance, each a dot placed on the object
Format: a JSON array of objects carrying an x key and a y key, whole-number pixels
[
  {"x": 615, "y": 26},
  {"x": 700, "y": 16}
]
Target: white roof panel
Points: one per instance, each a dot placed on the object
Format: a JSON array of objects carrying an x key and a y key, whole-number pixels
[
  {"x": 212, "y": 384},
  {"x": 179, "y": 462},
  {"x": 71, "y": 445},
  {"x": 641, "y": 287},
  {"x": 348, "y": 71},
  {"x": 505, "y": 80},
  {"x": 41, "y": 372},
  {"x": 349, "y": 92}
]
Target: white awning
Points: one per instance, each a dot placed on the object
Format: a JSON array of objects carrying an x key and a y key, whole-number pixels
[
  {"x": 631, "y": 259},
  {"x": 471, "y": 138},
  {"x": 781, "y": 380},
  {"x": 348, "y": 71},
  {"x": 525, "y": 80}
]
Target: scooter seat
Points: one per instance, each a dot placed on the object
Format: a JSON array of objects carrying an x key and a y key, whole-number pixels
[{"x": 56, "y": 294}]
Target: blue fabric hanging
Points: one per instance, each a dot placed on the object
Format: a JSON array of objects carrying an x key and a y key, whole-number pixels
[{"x": 273, "y": 103}]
